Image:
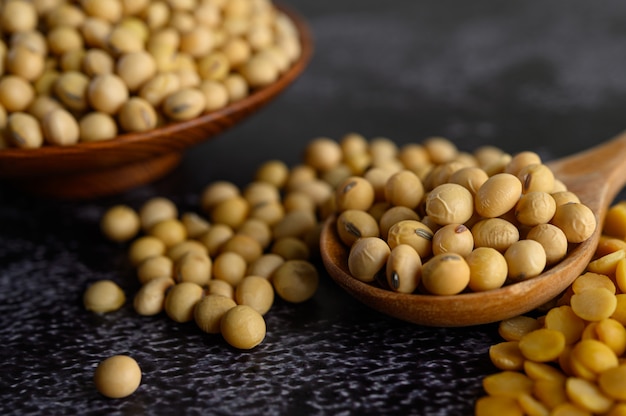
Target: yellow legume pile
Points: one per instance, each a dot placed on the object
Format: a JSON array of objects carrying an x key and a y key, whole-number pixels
[
  {"x": 407, "y": 213},
  {"x": 571, "y": 359},
  {"x": 245, "y": 246},
  {"x": 82, "y": 71},
  {"x": 477, "y": 221}
]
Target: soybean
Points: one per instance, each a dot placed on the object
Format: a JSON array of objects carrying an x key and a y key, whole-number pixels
[
  {"x": 16, "y": 93},
  {"x": 499, "y": 194},
  {"x": 150, "y": 298},
  {"x": 449, "y": 203},
  {"x": 291, "y": 248},
  {"x": 23, "y": 130},
  {"x": 453, "y": 238},
  {"x": 354, "y": 224},
  {"x": 553, "y": 240},
  {"x": 525, "y": 259},
  {"x": 446, "y": 274},
  {"x": 103, "y": 296},
  {"x": 576, "y": 220},
  {"x": 534, "y": 208},
  {"x": 414, "y": 233},
  {"x": 60, "y": 128},
  {"x": 243, "y": 327},
  {"x": 137, "y": 115},
  {"x": 184, "y": 104},
  {"x": 496, "y": 233},
  {"x": 488, "y": 269},
  {"x": 153, "y": 267},
  {"x": 536, "y": 177},
  {"x": 404, "y": 269},
  {"x": 193, "y": 267},
  {"x": 295, "y": 281},
  {"x": 97, "y": 126},
  {"x": 265, "y": 265},
  {"x": 120, "y": 223},
  {"x": 144, "y": 247},
  {"x": 209, "y": 311},
  {"x": 256, "y": 292},
  {"x": 107, "y": 93},
  {"x": 404, "y": 188},
  {"x": 171, "y": 231},
  {"x": 229, "y": 267},
  {"x": 117, "y": 377},
  {"x": 181, "y": 300},
  {"x": 354, "y": 193}
]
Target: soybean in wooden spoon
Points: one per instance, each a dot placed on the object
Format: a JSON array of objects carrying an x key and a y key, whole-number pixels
[{"x": 595, "y": 175}]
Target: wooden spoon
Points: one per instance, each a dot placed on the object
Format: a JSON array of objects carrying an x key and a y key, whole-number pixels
[{"x": 595, "y": 175}]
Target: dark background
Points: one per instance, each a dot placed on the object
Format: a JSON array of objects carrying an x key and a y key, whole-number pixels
[{"x": 547, "y": 76}]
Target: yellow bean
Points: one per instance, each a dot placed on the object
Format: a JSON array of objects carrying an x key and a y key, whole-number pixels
[
  {"x": 209, "y": 311},
  {"x": 445, "y": 274},
  {"x": 243, "y": 327},
  {"x": 618, "y": 410},
  {"x": 612, "y": 333},
  {"x": 620, "y": 309},
  {"x": 494, "y": 405},
  {"x": 608, "y": 244},
  {"x": 615, "y": 221},
  {"x": 564, "y": 319},
  {"x": 587, "y": 395},
  {"x": 612, "y": 382},
  {"x": 506, "y": 356},
  {"x": 569, "y": 409},
  {"x": 565, "y": 361},
  {"x": 607, "y": 263},
  {"x": 542, "y": 371},
  {"x": 150, "y": 298},
  {"x": 507, "y": 384},
  {"x": 181, "y": 300},
  {"x": 513, "y": 329},
  {"x": 103, "y": 296},
  {"x": 170, "y": 231},
  {"x": 590, "y": 357},
  {"x": 594, "y": 304},
  {"x": 550, "y": 392},
  {"x": 532, "y": 406},
  {"x": 117, "y": 376},
  {"x": 590, "y": 279},
  {"x": 542, "y": 345},
  {"x": 620, "y": 275}
]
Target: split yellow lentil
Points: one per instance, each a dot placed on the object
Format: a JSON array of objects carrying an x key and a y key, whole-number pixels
[{"x": 581, "y": 370}]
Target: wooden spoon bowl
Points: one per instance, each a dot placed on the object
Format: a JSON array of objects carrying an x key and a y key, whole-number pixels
[
  {"x": 89, "y": 170},
  {"x": 596, "y": 176}
]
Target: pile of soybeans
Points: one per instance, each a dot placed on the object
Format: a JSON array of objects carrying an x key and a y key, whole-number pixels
[
  {"x": 87, "y": 70},
  {"x": 223, "y": 264}
]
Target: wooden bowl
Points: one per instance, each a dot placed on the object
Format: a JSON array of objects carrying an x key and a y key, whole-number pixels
[{"x": 90, "y": 170}]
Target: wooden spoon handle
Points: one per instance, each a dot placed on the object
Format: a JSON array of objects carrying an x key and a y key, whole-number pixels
[{"x": 596, "y": 175}]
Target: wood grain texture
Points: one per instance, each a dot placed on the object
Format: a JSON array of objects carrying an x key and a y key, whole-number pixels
[
  {"x": 596, "y": 176},
  {"x": 133, "y": 159}
]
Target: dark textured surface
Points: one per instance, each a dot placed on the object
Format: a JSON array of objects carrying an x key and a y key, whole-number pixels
[{"x": 545, "y": 76}]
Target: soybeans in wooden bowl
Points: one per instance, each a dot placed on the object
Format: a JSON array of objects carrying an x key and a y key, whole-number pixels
[{"x": 93, "y": 121}]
